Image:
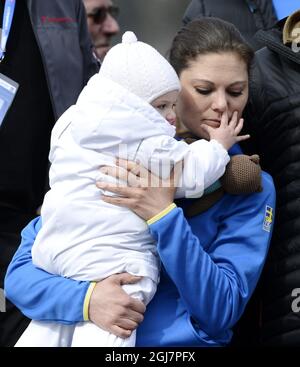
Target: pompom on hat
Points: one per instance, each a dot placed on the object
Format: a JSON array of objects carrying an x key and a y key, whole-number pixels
[{"x": 139, "y": 68}]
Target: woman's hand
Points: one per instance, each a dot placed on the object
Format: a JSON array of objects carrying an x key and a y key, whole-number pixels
[
  {"x": 146, "y": 194},
  {"x": 112, "y": 309}
]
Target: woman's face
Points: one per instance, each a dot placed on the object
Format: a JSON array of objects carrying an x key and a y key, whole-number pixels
[{"x": 211, "y": 85}]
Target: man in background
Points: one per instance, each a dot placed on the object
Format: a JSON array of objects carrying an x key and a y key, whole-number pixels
[
  {"x": 248, "y": 16},
  {"x": 272, "y": 119},
  {"x": 102, "y": 24}
]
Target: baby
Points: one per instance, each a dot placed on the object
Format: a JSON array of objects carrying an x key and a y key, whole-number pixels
[{"x": 125, "y": 111}]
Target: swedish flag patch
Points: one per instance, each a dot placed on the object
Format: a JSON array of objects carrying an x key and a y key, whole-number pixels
[{"x": 268, "y": 219}]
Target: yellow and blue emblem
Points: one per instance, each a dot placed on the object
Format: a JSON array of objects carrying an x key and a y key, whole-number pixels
[{"x": 268, "y": 218}]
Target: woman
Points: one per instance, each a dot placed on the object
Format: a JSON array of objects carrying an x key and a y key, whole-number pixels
[{"x": 211, "y": 261}]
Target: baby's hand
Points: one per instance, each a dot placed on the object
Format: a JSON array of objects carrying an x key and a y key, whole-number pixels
[{"x": 227, "y": 133}]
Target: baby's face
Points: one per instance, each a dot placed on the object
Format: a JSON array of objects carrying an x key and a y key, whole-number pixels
[{"x": 165, "y": 105}]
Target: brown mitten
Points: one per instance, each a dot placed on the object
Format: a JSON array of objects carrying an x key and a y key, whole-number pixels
[{"x": 242, "y": 175}]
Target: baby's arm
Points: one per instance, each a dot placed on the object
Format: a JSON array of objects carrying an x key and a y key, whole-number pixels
[
  {"x": 199, "y": 164},
  {"x": 203, "y": 162},
  {"x": 227, "y": 134}
]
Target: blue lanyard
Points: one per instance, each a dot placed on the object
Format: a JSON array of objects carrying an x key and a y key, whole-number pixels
[{"x": 8, "y": 14}]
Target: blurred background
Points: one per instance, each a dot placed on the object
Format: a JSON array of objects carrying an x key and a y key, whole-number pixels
[{"x": 154, "y": 22}]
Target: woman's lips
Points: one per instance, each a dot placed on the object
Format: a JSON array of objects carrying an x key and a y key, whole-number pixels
[{"x": 212, "y": 122}]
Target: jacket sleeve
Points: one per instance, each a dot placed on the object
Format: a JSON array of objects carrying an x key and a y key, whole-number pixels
[
  {"x": 90, "y": 64},
  {"x": 196, "y": 9},
  {"x": 202, "y": 163},
  {"x": 215, "y": 284},
  {"x": 38, "y": 294},
  {"x": 256, "y": 110}
]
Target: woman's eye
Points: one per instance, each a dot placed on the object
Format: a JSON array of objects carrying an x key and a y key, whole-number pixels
[
  {"x": 203, "y": 91},
  {"x": 235, "y": 94}
]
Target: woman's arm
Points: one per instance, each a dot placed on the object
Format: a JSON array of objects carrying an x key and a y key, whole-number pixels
[
  {"x": 38, "y": 294},
  {"x": 216, "y": 282},
  {"x": 46, "y": 297}
]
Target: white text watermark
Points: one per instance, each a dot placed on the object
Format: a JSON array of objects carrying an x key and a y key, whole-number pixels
[
  {"x": 187, "y": 175},
  {"x": 296, "y": 301},
  {"x": 2, "y": 301}
]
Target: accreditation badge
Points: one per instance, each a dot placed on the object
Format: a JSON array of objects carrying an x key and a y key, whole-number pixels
[{"x": 8, "y": 90}]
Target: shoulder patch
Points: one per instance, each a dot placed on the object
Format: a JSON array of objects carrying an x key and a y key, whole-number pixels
[{"x": 268, "y": 218}]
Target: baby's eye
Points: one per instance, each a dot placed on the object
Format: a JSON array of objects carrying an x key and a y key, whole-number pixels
[{"x": 161, "y": 106}]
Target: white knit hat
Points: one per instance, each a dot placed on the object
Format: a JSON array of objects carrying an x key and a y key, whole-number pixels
[{"x": 139, "y": 68}]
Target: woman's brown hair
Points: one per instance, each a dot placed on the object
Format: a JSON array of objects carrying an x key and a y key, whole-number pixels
[{"x": 208, "y": 35}]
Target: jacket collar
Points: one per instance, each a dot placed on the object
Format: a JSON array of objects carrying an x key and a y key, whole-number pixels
[{"x": 272, "y": 38}]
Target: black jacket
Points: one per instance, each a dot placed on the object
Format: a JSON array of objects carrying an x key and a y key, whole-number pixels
[
  {"x": 49, "y": 54},
  {"x": 247, "y": 15},
  {"x": 273, "y": 120},
  {"x": 61, "y": 32}
]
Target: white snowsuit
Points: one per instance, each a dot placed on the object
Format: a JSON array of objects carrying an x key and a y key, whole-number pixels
[{"x": 84, "y": 238}]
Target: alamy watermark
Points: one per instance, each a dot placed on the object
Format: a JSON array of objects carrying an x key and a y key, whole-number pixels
[
  {"x": 296, "y": 301},
  {"x": 183, "y": 174},
  {"x": 2, "y": 301}
]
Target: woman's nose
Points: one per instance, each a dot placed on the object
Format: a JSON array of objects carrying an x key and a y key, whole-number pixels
[{"x": 219, "y": 103}]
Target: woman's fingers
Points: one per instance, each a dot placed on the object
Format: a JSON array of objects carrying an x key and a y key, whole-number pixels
[
  {"x": 120, "y": 332},
  {"x": 128, "y": 197},
  {"x": 128, "y": 165},
  {"x": 138, "y": 170},
  {"x": 150, "y": 197},
  {"x": 127, "y": 324},
  {"x": 131, "y": 166},
  {"x": 117, "y": 172},
  {"x": 133, "y": 173},
  {"x": 122, "y": 174},
  {"x": 120, "y": 190},
  {"x": 124, "y": 202},
  {"x": 124, "y": 192}
]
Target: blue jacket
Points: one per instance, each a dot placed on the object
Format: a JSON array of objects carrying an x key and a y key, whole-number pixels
[{"x": 211, "y": 265}]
